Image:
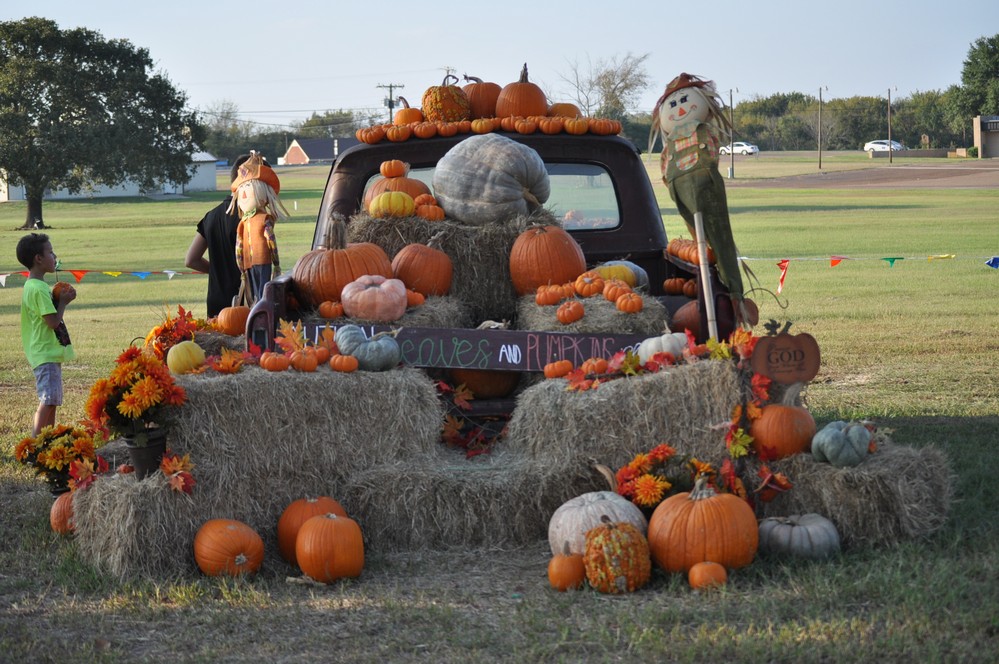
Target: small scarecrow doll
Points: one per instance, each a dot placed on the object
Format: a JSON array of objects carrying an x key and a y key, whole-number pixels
[
  {"x": 255, "y": 194},
  {"x": 689, "y": 120}
]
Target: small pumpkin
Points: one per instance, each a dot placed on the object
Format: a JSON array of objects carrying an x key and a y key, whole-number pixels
[
  {"x": 61, "y": 513},
  {"x": 594, "y": 365},
  {"x": 576, "y": 126},
  {"x": 842, "y": 444},
  {"x": 330, "y": 309},
  {"x": 343, "y": 363},
  {"x": 273, "y": 361},
  {"x": 232, "y": 320},
  {"x": 566, "y": 570},
  {"x": 616, "y": 558},
  {"x": 674, "y": 285},
  {"x": 577, "y": 516},
  {"x": 415, "y": 298},
  {"x": 380, "y": 353},
  {"x": 673, "y": 343},
  {"x": 588, "y": 284},
  {"x": 406, "y": 115},
  {"x": 558, "y": 368},
  {"x": 225, "y": 547},
  {"x": 521, "y": 98},
  {"x": 184, "y": 357},
  {"x": 304, "y": 360},
  {"x": 298, "y": 512},
  {"x": 399, "y": 133},
  {"x": 707, "y": 574},
  {"x": 548, "y": 295},
  {"x": 691, "y": 527},
  {"x": 330, "y": 547},
  {"x": 569, "y": 312},
  {"x": 393, "y": 168},
  {"x": 783, "y": 429},
  {"x": 804, "y": 536},
  {"x": 430, "y": 212},
  {"x": 370, "y": 135},
  {"x": 372, "y": 297},
  {"x": 629, "y": 303}
]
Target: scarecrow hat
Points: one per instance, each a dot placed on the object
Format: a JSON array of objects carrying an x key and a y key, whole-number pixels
[
  {"x": 255, "y": 168},
  {"x": 685, "y": 81}
]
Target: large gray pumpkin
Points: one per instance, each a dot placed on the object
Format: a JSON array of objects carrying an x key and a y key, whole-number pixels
[
  {"x": 843, "y": 444},
  {"x": 805, "y": 536},
  {"x": 489, "y": 178}
]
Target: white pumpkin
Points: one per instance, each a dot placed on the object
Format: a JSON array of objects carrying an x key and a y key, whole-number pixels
[
  {"x": 671, "y": 342},
  {"x": 571, "y": 521}
]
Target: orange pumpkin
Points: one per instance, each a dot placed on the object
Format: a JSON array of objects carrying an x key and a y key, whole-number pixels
[
  {"x": 344, "y": 363},
  {"x": 615, "y": 288},
  {"x": 399, "y": 133},
  {"x": 393, "y": 168},
  {"x": 569, "y": 312},
  {"x": 564, "y": 109},
  {"x": 558, "y": 368},
  {"x": 330, "y": 547},
  {"x": 548, "y": 295},
  {"x": 629, "y": 303},
  {"x": 544, "y": 255},
  {"x": 304, "y": 360},
  {"x": 61, "y": 513},
  {"x": 232, "y": 320},
  {"x": 594, "y": 365},
  {"x": 225, "y": 547},
  {"x": 272, "y": 361},
  {"x": 576, "y": 126},
  {"x": 707, "y": 574},
  {"x": 566, "y": 570},
  {"x": 330, "y": 309},
  {"x": 521, "y": 98},
  {"x": 430, "y": 212},
  {"x": 782, "y": 429},
  {"x": 589, "y": 284},
  {"x": 481, "y": 97},
  {"x": 424, "y": 269},
  {"x": 297, "y": 513},
  {"x": 406, "y": 115}
]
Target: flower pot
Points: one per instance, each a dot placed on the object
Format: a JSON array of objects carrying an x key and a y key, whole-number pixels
[{"x": 146, "y": 457}]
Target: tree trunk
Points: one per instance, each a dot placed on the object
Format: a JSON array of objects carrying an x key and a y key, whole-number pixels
[{"x": 33, "y": 218}]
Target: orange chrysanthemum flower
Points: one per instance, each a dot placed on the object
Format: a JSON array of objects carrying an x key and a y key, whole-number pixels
[{"x": 649, "y": 490}]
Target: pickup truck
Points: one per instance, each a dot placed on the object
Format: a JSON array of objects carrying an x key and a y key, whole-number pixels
[{"x": 614, "y": 216}]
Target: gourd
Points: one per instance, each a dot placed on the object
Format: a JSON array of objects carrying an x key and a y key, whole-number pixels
[
  {"x": 481, "y": 96},
  {"x": 232, "y": 320},
  {"x": 688, "y": 528},
  {"x": 543, "y": 255},
  {"x": 673, "y": 343},
  {"x": 373, "y": 297},
  {"x": 805, "y": 536},
  {"x": 575, "y": 517},
  {"x": 330, "y": 547},
  {"x": 489, "y": 178},
  {"x": 61, "y": 513},
  {"x": 184, "y": 357},
  {"x": 225, "y": 547},
  {"x": 322, "y": 273},
  {"x": 297, "y": 513},
  {"x": 521, "y": 98},
  {"x": 424, "y": 269},
  {"x": 783, "y": 429},
  {"x": 566, "y": 570},
  {"x": 843, "y": 444},
  {"x": 616, "y": 558},
  {"x": 445, "y": 102},
  {"x": 707, "y": 574},
  {"x": 379, "y": 353}
]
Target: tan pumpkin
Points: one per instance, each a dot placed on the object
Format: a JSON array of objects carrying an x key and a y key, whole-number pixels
[
  {"x": 424, "y": 269},
  {"x": 372, "y": 297},
  {"x": 543, "y": 255},
  {"x": 577, "y": 516},
  {"x": 185, "y": 357},
  {"x": 330, "y": 547},
  {"x": 225, "y": 547},
  {"x": 510, "y": 180},
  {"x": 322, "y": 273},
  {"x": 481, "y": 97},
  {"x": 232, "y": 320},
  {"x": 521, "y": 98},
  {"x": 297, "y": 513}
]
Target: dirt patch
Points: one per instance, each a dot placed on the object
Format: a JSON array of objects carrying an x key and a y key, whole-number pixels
[{"x": 979, "y": 174}]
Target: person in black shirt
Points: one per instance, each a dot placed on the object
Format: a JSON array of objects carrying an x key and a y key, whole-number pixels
[{"x": 217, "y": 235}]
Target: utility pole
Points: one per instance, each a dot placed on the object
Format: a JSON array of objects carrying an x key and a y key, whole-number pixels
[
  {"x": 390, "y": 100},
  {"x": 820, "y": 127},
  {"x": 889, "y": 128},
  {"x": 731, "y": 141}
]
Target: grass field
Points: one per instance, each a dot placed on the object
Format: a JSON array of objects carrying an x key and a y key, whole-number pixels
[{"x": 912, "y": 346}]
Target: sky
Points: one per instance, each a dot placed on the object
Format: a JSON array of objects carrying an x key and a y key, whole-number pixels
[{"x": 279, "y": 63}]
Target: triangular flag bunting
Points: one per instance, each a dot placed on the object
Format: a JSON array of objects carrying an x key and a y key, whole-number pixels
[
  {"x": 113, "y": 274},
  {"x": 78, "y": 274},
  {"x": 891, "y": 260},
  {"x": 141, "y": 275},
  {"x": 993, "y": 262},
  {"x": 783, "y": 273},
  {"x": 3, "y": 280},
  {"x": 940, "y": 257},
  {"x": 836, "y": 260},
  {"x": 169, "y": 273}
]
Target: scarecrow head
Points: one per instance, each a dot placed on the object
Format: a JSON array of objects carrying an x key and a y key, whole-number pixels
[
  {"x": 688, "y": 100},
  {"x": 256, "y": 187}
]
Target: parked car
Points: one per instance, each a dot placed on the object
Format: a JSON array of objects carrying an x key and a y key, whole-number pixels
[
  {"x": 882, "y": 146},
  {"x": 739, "y": 148}
]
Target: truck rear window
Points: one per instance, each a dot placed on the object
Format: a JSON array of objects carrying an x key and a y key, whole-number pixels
[{"x": 583, "y": 195}]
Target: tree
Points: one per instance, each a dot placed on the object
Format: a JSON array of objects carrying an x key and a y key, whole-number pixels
[
  {"x": 78, "y": 110},
  {"x": 330, "y": 124},
  {"x": 227, "y": 136},
  {"x": 978, "y": 93},
  {"x": 610, "y": 88}
]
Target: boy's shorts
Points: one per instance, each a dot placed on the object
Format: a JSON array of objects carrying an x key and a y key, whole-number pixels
[{"x": 48, "y": 383}]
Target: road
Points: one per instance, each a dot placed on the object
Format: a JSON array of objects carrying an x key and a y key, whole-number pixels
[{"x": 951, "y": 174}]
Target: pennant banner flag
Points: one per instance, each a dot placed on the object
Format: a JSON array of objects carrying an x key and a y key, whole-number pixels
[
  {"x": 169, "y": 273},
  {"x": 892, "y": 259},
  {"x": 113, "y": 274},
  {"x": 993, "y": 262},
  {"x": 836, "y": 260},
  {"x": 940, "y": 257},
  {"x": 142, "y": 275},
  {"x": 78, "y": 274},
  {"x": 783, "y": 273}
]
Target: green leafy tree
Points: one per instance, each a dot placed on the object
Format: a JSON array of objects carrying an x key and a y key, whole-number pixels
[
  {"x": 978, "y": 93},
  {"x": 77, "y": 109},
  {"x": 331, "y": 124}
]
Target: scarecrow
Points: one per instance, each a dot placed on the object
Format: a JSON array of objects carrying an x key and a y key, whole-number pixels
[
  {"x": 255, "y": 194},
  {"x": 689, "y": 120}
]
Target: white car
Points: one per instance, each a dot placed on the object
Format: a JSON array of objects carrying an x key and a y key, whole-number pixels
[
  {"x": 739, "y": 148},
  {"x": 882, "y": 146}
]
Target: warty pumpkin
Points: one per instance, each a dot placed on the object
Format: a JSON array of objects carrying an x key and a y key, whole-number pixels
[
  {"x": 488, "y": 178},
  {"x": 522, "y": 98},
  {"x": 616, "y": 558},
  {"x": 372, "y": 297},
  {"x": 446, "y": 102},
  {"x": 330, "y": 547},
  {"x": 322, "y": 273},
  {"x": 543, "y": 255},
  {"x": 226, "y": 547},
  {"x": 691, "y": 527},
  {"x": 298, "y": 512}
]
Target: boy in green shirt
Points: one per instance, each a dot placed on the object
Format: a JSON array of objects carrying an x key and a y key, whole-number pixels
[{"x": 43, "y": 333}]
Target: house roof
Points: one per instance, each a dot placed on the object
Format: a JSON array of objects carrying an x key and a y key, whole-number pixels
[{"x": 322, "y": 149}]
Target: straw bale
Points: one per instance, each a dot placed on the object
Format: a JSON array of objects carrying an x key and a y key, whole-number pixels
[
  {"x": 897, "y": 493},
  {"x": 601, "y": 316},
  {"x": 213, "y": 342},
  {"x": 564, "y": 429},
  {"x": 494, "y": 500},
  {"x": 439, "y": 312},
  {"x": 480, "y": 254}
]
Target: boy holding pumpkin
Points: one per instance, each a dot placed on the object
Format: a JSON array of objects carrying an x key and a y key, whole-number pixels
[{"x": 43, "y": 332}]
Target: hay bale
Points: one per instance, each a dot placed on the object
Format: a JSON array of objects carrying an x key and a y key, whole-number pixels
[
  {"x": 480, "y": 255},
  {"x": 440, "y": 312},
  {"x": 495, "y": 500},
  {"x": 556, "y": 428},
  {"x": 213, "y": 342},
  {"x": 898, "y": 493},
  {"x": 601, "y": 317}
]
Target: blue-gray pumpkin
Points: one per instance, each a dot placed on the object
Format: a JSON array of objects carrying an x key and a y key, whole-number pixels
[
  {"x": 843, "y": 444},
  {"x": 379, "y": 353},
  {"x": 805, "y": 536}
]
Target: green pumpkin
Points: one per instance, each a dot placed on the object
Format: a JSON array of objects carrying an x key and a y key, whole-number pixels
[
  {"x": 843, "y": 444},
  {"x": 805, "y": 536},
  {"x": 379, "y": 353}
]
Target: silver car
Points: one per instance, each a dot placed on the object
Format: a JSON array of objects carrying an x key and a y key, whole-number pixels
[
  {"x": 883, "y": 146},
  {"x": 738, "y": 148}
]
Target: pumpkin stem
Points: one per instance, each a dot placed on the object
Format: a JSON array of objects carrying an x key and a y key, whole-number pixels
[
  {"x": 335, "y": 236},
  {"x": 402, "y": 100},
  {"x": 792, "y": 394},
  {"x": 523, "y": 74},
  {"x": 565, "y": 548},
  {"x": 447, "y": 78},
  {"x": 474, "y": 79},
  {"x": 606, "y": 472},
  {"x": 701, "y": 489}
]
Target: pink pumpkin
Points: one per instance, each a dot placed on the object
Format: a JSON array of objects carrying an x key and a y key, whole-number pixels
[{"x": 372, "y": 297}]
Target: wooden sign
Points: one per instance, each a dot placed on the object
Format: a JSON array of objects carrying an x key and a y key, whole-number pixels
[{"x": 787, "y": 358}]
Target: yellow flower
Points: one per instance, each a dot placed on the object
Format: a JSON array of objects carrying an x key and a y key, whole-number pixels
[
  {"x": 641, "y": 463},
  {"x": 650, "y": 489}
]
